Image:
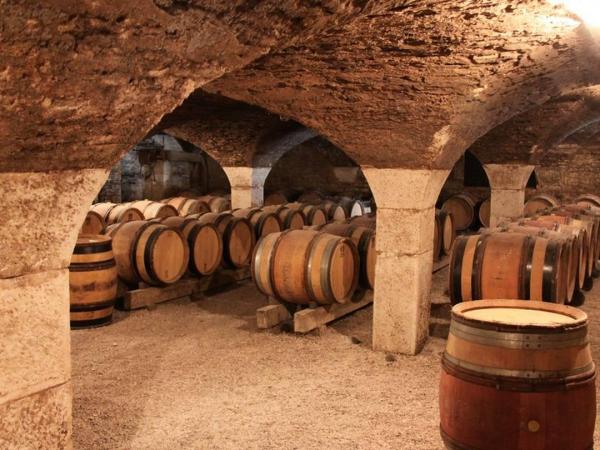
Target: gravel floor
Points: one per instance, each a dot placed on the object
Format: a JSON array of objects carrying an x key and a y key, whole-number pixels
[{"x": 199, "y": 375}]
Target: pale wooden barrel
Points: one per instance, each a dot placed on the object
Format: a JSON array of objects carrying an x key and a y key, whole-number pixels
[
  {"x": 588, "y": 200},
  {"x": 291, "y": 219},
  {"x": 364, "y": 239},
  {"x": 238, "y": 238},
  {"x": 507, "y": 265},
  {"x": 92, "y": 281},
  {"x": 92, "y": 224},
  {"x": 447, "y": 231},
  {"x": 333, "y": 211},
  {"x": 123, "y": 213},
  {"x": 462, "y": 209},
  {"x": 484, "y": 212},
  {"x": 154, "y": 210},
  {"x": 313, "y": 214},
  {"x": 103, "y": 209},
  {"x": 437, "y": 241},
  {"x": 304, "y": 266},
  {"x": 149, "y": 252},
  {"x": 517, "y": 375},
  {"x": 276, "y": 198},
  {"x": 217, "y": 204},
  {"x": 353, "y": 207},
  {"x": 539, "y": 203},
  {"x": 263, "y": 222},
  {"x": 571, "y": 249},
  {"x": 186, "y": 206},
  {"x": 204, "y": 243}
]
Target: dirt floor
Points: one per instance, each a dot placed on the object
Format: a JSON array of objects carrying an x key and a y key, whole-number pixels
[{"x": 199, "y": 375}]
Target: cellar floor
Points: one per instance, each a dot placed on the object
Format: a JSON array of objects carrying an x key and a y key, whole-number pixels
[{"x": 199, "y": 375}]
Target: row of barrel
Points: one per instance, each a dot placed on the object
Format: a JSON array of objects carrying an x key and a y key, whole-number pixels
[{"x": 547, "y": 257}]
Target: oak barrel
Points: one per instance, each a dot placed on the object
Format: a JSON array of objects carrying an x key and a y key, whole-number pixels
[
  {"x": 304, "y": 266},
  {"x": 276, "y": 198},
  {"x": 291, "y": 219},
  {"x": 507, "y": 265},
  {"x": 263, "y": 222},
  {"x": 154, "y": 210},
  {"x": 123, "y": 212},
  {"x": 364, "y": 239},
  {"x": 148, "y": 251},
  {"x": 367, "y": 220},
  {"x": 353, "y": 207},
  {"x": 334, "y": 211},
  {"x": 92, "y": 224},
  {"x": 217, "y": 204},
  {"x": 313, "y": 214},
  {"x": 447, "y": 231},
  {"x": 204, "y": 242},
  {"x": 588, "y": 200},
  {"x": 186, "y": 206},
  {"x": 517, "y": 375},
  {"x": 238, "y": 238},
  {"x": 462, "y": 209},
  {"x": 539, "y": 203},
  {"x": 92, "y": 281},
  {"x": 311, "y": 197},
  {"x": 484, "y": 212},
  {"x": 103, "y": 208},
  {"x": 437, "y": 241}
]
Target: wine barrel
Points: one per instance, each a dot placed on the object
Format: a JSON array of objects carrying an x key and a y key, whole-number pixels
[
  {"x": 447, "y": 231},
  {"x": 276, "y": 198},
  {"x": 333, "y": 211},
  {"x": 186, "y": 206},
  {"x": 462, "y": 209},
  {"x": 204, "y": 243},
  {"x": 154, "y": 210},
  {"x": 484, "y": 212},
  {"x": 263, "y": 222},
  {"x": 517, "y": 375},
  {"x": 123, "y": 213},
  {"x": 580, "y": 234},
  {"x": 291, "y": 219},
  {"x": 589, "y": 214},
  {"x": 354, "y": 207},
  {"x": 507, "y": 265},
  {"x": 216, "y": 204},
  {"x": 539, "y": 203},
  {"x": 588, "y": 200},
  {"x": 148, "y": 251},
  {"x": 571, "y": 247},
  {"x": 368, "y": 220},
  {"x": 103, "y": 209},
  {"x": 92, "y": 281},
  {"x": 437, "y": 241},
  {"x": 311, "y": 197},
  {"x": 92, "y": 224},
  {"x": 238, "y": 238},
  {"x": 313, "y": 214},
  {"x": 304, "y": 266},
  {"x": 364, "y": 239}
]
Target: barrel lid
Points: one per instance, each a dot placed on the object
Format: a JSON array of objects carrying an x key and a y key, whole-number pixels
[
  {"x": 86, "y": 239},
  {"x": 519, "y": 314}
]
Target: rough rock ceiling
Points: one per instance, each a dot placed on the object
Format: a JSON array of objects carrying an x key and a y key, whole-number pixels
[{"x": 415, "y": 85}]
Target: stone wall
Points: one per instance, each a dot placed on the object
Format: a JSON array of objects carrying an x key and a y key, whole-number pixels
[{"x": 317, "y": 165}]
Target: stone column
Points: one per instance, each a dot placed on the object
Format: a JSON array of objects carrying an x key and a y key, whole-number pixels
[
  {"x": 508, "y": 182},
  {"x": 42, "y": 215},
  {"x": 405, "y": 219},
  {"x": 247, "y": 185}
]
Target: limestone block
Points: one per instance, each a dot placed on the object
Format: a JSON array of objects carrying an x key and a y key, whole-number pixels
[
  {"x": 401, "y": 302},
  {"x": 35, "y": 340},
  {"x": 38, "y": 421},
  {"x": 404, "y": 231},
  {"x": 247, "y": 185},
  {"x": 506, "y": 204},
  {"x": 405, "y": 188},
  {"x": 42, "y": 213},
  {"x": 508, "y": 176}
]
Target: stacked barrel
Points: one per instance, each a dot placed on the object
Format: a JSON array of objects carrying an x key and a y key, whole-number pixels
[
  {"x": 468, "y": 211},
  {"x": 550, "y": 256}
]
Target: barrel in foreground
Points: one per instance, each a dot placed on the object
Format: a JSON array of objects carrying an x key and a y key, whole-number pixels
[{"x": 517, "y": 375}]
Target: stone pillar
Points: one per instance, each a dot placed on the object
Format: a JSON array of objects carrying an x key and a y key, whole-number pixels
[
  {"x": 42, "y": 215},
  {"x": 247, "y": 185},
  {"x": 405, "y": 219},
  {"x": 507, "y": 182}
]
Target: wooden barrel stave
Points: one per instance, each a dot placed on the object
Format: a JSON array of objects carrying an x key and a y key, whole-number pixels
[
  {"x": 462, "y": 209},
  {"x": 93, "y": 223},
  {"x": 539, "y": 202}
]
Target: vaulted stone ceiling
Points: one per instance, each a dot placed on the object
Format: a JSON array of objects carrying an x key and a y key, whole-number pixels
[
  {"x": 416, "y": 84},
  {"x": 405, "y": 83}
]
